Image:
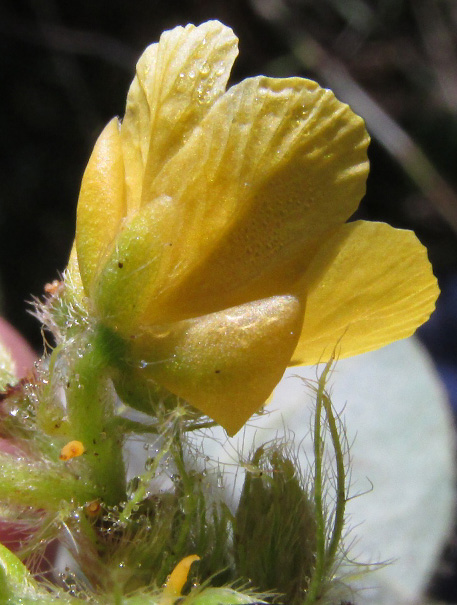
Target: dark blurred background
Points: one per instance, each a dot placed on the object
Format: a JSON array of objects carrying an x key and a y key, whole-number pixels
[{"x": 65, "y": 68}]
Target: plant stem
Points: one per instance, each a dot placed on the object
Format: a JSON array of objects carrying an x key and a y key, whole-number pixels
[
  {"x": 319, "y": 569},
  {"x": 90, "y": 408},
  {"x": 145, "y": 480},
  {"x": 40, "y": 486},
  {"x": 340, "y": 484},
  {"x": 325, "y": 555}
]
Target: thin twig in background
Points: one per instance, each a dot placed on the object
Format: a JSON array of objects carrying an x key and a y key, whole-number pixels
[
  {"x": 440, "y": 48},
  {"x": 69, "y": 74},
  {"x": 61, "y": 38},
  {"x": 397, "y": 142}
]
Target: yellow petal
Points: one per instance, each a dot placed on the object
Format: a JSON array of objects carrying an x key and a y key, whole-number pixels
[
  {"x": 176, "y": 83},
  {"x": 225, "y": 364},
  {"x": 178, "y": 576},
  {"x": 101, "y": 204},
  {"x": 369, "y": 285},
  {"x": 272, "y": 166}
]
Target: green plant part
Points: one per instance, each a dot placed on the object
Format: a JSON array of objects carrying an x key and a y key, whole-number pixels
[
  {"x": 14, "y": 577},
  {"x": 275, "y": 528},
  {"x": 287, "y": 541},
  {"x": 328, "y": 531}
]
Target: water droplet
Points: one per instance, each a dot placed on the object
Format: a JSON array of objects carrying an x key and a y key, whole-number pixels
[
  {"x": 204, "y": 97},
  {"x": 204, "y": 68},
  {"x": 149, "y": 463},
  {"x": 181, "y": 82}
]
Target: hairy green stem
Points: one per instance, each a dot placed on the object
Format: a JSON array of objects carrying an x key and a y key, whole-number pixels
[
  {"x": 41, "y": 486},
  {"x": 338, "y": 523},
  {"x": 326, "y": 547},
  {"x": 189, "y": 501},
  {"x": 145, "y": 479},
  {"x": 319, "y": 568},
  {"x": 90, "y": 408}
]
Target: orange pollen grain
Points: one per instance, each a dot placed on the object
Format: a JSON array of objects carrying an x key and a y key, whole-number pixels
[
  {"x": 71, "y": 450},
  {"x": 54, "y": 287}
]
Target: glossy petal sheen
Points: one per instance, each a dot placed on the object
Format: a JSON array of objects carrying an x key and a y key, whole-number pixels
[
  {"x": 368, "y": 285},
  {"x": 225, "y": 364},
  {"x": 273, "y": 165}
]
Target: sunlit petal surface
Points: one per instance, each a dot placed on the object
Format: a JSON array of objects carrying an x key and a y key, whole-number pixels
[
  {"x": 271, "y": 167},
  {"x": 367, "y": 286},
  {"x": 101, "y": 203},
  {"x": 177, "y": 80},
  {"x": 226, "y": 364}
]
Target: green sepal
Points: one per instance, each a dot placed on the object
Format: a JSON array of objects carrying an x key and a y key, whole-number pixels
[
  {"x": 42, "y": 485},
  {"x": 207, "y": 596},
  {"x": 15, "y": 578},
  {"x": 120, "y": 291},
  {"x": 140, "y": 394},
  {"x": 219, "y": 596}
]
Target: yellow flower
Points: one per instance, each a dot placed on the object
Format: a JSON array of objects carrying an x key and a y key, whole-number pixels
[{"x": 211, "y": 230}]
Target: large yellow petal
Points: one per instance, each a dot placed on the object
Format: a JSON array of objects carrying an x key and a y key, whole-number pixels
[
  {"x": 177, "y": 81},
  {"x": 272, "y": 166},
  {"x": 369, "y": 285},
  {"x": 101, "y": 204},
  {"x": 225, "y": 364}
]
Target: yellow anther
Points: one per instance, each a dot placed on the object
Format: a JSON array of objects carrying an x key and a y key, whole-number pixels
[
  {"x": 71, "y": 450},
  {"x": 178, "y": 577}
]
